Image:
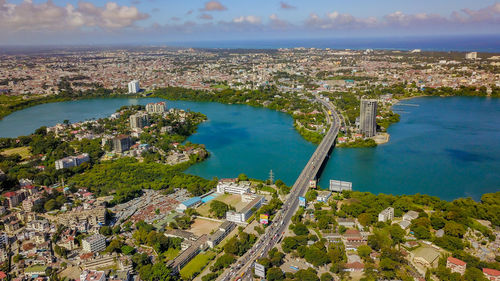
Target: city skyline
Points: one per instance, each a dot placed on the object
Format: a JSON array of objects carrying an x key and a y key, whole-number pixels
[{"x": 149, "y": 21}]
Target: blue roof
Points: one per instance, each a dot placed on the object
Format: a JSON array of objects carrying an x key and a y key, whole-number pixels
[{"x": 191, "y": 201}]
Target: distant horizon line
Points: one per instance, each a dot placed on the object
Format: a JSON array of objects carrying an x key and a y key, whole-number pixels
[{"x": 442, "y": 43}]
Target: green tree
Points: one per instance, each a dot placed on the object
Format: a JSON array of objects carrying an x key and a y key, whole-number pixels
[
  {"x": 275, "y": 274},
  {"x": 326, "y": 277},
  {"x": 242, "y": 177},
  {"x": 364, "y": 251},
  {"x": 300, "y": 229},
  {"x": 454, "y": 229},
  {"x": 106, "y": 230},
  {"x": 474, "y": 274},
  {"x": 219, "y": 208}
]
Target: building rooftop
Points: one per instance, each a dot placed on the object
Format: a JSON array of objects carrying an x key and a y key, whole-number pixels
[
  {"x": 191, "y": 201},
  {"x": 491, "y": 272},
  {"x": 456, "y": 261}
]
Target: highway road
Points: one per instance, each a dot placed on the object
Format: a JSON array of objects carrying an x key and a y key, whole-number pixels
[{"x": 243, "y": 268}]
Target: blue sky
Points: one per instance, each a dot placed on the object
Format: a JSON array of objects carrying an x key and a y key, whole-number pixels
[{"x": 91, "y": 21}]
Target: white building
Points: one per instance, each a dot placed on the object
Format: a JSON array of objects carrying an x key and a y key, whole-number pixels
[
  {"x": 410, "y": 215},
  {"x": 72, "y": 161},
  {"x": 158, "y": 107},
  {"x": 233, "y": 188},
  {"x": 94, "y": 243},
  {"x": 471, "y": 56},
  {"x": 133, "y": 87},
  {"x": 386, "y": 215},
  {"x": 92, "y": 275},
  {"x": 323, "y": 196},
  {"x": 245, "y": 213}
]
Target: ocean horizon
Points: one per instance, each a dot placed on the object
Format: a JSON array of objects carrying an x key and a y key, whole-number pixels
[
  {"x": 480, "y": 43},
  {"x": 463, "y": 43}
]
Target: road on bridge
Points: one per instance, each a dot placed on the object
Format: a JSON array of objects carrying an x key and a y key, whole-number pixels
[{"x": 243, "y": 268}]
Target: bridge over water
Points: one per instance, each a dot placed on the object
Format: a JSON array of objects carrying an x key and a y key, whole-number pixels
[{"x": 312, "y": 170}]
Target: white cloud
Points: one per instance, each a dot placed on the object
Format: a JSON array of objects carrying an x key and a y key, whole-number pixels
[
  {"x": 248, "y": 19},
  {"x": 48, "y": 16}
]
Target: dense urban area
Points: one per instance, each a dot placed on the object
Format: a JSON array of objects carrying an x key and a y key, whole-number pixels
[{"x": 109, "y": 198}]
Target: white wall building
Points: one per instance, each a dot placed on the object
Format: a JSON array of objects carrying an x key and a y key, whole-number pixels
[
  {"x": 471, "y": 56},
  {"x": 94, "y": 243},
  {"x": 233, "y": 188},
  {"x": 92, "y": 275},
  {"x": 386, "y": 215},
  {"x": 410, "y": 215},
  {"x": 158, "y": 107},
  {"x": 72, "y": 161},
  {"x": 133, "y": 87}
]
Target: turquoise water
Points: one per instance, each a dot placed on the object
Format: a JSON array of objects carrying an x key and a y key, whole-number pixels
[
  {"x": 240, "y": 138},
  {"x": 447, "y": 147}
]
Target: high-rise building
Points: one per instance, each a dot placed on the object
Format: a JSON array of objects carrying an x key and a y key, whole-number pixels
[
  {"x": 121, "y": 143},
  {"x": 133, "y": 87},
  {"x": 368, "y": 118},
  {"x": 471, "y": 56},
  {"x": 139, "y": 120},
  {"x": 158, "y": 107}
]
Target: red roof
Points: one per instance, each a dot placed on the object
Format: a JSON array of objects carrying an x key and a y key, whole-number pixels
[
  {"x": 9, "y": 194},
  {"x": 456, "y": 261},
  {"x": 355, "y": 265},
  {"x": 2, "y": 275},
  {"x": 491, "y": 272},
  {"x": 352, "y": 232}
]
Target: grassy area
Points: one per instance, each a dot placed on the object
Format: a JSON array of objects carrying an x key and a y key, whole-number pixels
[
  {"x": 196, "y": 265},
  {"x": 230, "y": 199},
  {"x": 171, "y": 253},
  {"x": 24, "y": 151}
]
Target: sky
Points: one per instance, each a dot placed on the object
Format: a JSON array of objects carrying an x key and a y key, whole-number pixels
[{"x": 41, "y": 22}]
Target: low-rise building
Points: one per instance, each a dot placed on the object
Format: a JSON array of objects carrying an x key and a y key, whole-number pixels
[
  {"x": 190, "y": 203},
  {"x": 183, "y": 258},
  {"x": 323, "y": 196},
  {"x": 456, "y": 265},
  {"x": 491, "y": 274},
  {"x": 346, "y": 222},
  {"x": 224, "y": 229},
  {"x": 245, "y": 213},
  {"x": 410, "y": 215},
  {"x": 72, "y": 161},
  {"x": 426, "y": 256},
  {"x": 386, "y": 215},
  {"x": 233, "y": 188},
  {"x": 95, "y": 243},
  {"x": 92, "y": 275}
]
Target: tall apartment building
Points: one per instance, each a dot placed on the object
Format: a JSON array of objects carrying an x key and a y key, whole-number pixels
[
  {"x": 158, "y": 107},
  {"x": 121, "y": 143},
  {"x": 386, "y": 215},
  {"x": 368, "y": 118},
  {"x": 94, "y": 243},
  {"x": 139, "y": 120},
  {"x": 133, "y": 87},
  {"x": 72, "y": 161}
]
